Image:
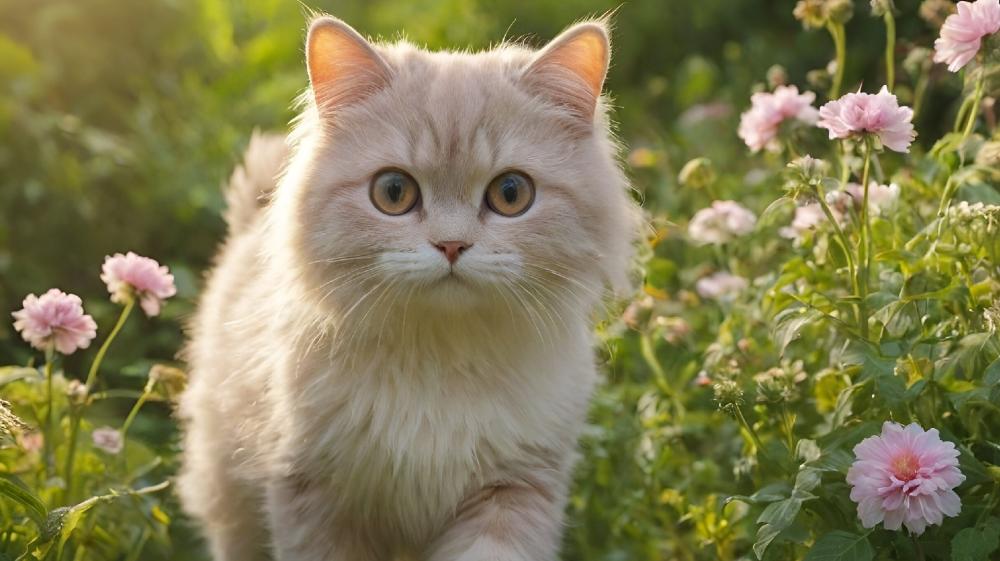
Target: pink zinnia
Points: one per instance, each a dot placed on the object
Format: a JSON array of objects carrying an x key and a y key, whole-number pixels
[
  {"x": 55, "y": 319},
  {"x": 807, "y": 218},
  {"x": 720, "y": 223},
  {"x": 759, "y": 125},
  {"x": 107, "y": 439},
  {"x": 878, "y": 114},
  {"x": 962, "y": 33},
  {"x": 905, "y": 476},
  {"x": 721, "y": 286},
  {"x": 132, "y": 274}
]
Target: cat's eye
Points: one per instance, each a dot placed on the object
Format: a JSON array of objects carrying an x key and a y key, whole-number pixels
[
  {"x": 394, "y": 192},
  {"x": 510, "y": 194}
]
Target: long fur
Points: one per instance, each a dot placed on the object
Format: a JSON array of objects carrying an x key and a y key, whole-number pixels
[{"x": 353, "y": 398}]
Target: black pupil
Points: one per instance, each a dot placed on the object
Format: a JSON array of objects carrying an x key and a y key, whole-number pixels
[
  {"x": 508, "y": 188},
  {"x": 394, "y": 189}
]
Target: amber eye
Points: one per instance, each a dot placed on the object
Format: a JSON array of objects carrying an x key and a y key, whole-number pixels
[
  {"x": 510, "y": 194},
  {"x": 394, "y": 192}
]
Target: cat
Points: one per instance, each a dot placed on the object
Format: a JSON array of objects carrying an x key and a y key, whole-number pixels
[{"x": 393, "y": 357}]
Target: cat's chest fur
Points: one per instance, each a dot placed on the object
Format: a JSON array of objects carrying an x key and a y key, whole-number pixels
[{"x": 402, "y": 438}]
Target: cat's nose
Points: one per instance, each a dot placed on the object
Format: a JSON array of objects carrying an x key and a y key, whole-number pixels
[{"x": 452, "y": 249}]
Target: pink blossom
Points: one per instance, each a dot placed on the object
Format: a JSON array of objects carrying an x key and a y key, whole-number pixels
[
  {"x": 963, "y": 32},
  {"x": 759, "y": 125},
  {"x": 134, "y": 274},
  {"x": 720, "y": 223},
  {"x": 905, "y": 476},
  {"x": 55, "y": 319},
  {"x": 807, "y": 218},
  {"x": 107, "y": 439},
  {"x": 878, "y": 114},
  {"x": 721, "y": 286},
  {"x": 880, "y": 197}
]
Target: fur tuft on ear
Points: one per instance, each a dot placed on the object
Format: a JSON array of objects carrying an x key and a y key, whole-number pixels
[
  {"x": 570, "y": 70},
  {"x": 343, "y": 66}
]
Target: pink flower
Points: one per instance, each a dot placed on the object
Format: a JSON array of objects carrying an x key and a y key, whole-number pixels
[
  {"x": 720, "y": 223},
  {"x": 721, "y": 286},
  {"x": 880, "y": 197},
  {"x": 963, "y": 32},
  {"x": 107, "y": 439},
  {"x": 55, "y": 319},
  {"x": 807, "y": 218},
  {"x": 131, "y": 273},
  {"x": 878, "y": 114},
  {"x": 759, "y": 125},
  {"x": 905, "y": 476}
]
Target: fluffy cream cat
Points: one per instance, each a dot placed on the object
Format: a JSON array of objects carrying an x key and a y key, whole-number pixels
[{"x": 392, "y": 359}]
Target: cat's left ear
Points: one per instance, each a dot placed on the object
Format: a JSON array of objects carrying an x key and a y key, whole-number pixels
[
  {"x": 343, "y": 66},
  {"x": 570, "y": 70}
]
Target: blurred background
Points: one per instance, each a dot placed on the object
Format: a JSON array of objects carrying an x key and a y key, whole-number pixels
[{"x": 120, "y": 119}]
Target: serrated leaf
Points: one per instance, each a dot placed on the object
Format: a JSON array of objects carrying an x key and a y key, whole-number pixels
[
  {"x": 840, "y": 546},
  {"x": 892, "y": 389}
]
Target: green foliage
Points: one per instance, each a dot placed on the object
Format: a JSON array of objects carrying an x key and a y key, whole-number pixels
[{"x": 725, "y": 428}]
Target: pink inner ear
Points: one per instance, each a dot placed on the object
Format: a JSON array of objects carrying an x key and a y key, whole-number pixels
[
  {"x": 343, "y": 67},
  {"x": 571, "y": 70}
]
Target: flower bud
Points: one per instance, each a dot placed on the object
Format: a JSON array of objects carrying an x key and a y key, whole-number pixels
[
  {"x": 935, "y": 12},
  {"x": 776, "y": 76},
  {"x": 989, "y": 154},
  {"x": 819, "y": 79},
  {"x": 811, "y": 13},
  {"x": 697, "y": 174},
  {"x": 840, "y": 11},
  {"x": 882, "y": 7},
  {"x": 918, "y": 60}
]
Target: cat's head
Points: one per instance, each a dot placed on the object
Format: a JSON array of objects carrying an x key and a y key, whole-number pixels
[{"x": 451, "y": 181}]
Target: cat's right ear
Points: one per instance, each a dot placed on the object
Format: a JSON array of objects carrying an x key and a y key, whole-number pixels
[{"x": 343, "y": 66}]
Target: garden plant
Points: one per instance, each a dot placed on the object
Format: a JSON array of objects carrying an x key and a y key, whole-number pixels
[{"x": 809, "y": 369}]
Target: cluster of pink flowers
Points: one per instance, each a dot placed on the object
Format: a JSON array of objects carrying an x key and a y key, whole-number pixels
[
  {"x": 878, "y": 114},
  {"x": 808, "y": 217},
  {"x": 963, "y": 32},
  {"x": 721, "y": 286},
  {"x": 905, "y": 477},
  {"x": 759, "y": 125},
  {"x": 721, "y": 223},
  {"x": 56, "y": 319}
]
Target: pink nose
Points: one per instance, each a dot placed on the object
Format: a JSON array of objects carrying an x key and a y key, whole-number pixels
[{"x": 452, "y": 249}]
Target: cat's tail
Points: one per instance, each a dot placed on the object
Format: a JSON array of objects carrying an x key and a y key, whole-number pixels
[{"x": 252, "y": 182}]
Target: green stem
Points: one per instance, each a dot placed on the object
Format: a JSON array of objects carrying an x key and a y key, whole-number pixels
[
  {"x": 864, "y": 245},
  {"x": 920, "y": 92},
  {"x": 890, "y": 49},
  {"x": 974, "y": 109},
  {"x": 49, "y": 433},
  {"x": 918, "y": 547},
  {"x": 841, "y": 237},
  {"x": 96, "y": 365},
  {"x": 76, "y": 414},
  {"x": 840, "y": 45},
  {"x": 146, "y": 392}
]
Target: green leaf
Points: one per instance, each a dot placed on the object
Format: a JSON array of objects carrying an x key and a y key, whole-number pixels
[
  {"x": 781, "y": 514},
  {"x": 807, "y": 450},
  {"x": 13, "y": 489},
  {"x": 789, "y": 324},
  {"x": 991, "y": 376},
  {"x": 892, "y": 389},
  {"x": 765, "y": 535},
  {"x": 840, "y": 546},
  {"x": 976, "y": 544},
  {"x": 808, "y": 479}
]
